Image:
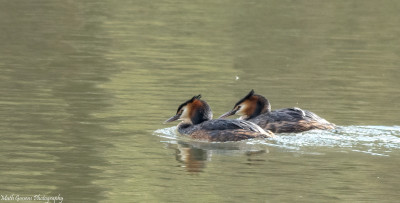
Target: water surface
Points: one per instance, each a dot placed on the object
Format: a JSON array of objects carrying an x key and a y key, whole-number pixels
[{"x": 85, "y": 87}]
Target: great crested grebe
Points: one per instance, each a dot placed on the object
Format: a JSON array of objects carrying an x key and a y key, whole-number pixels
[
  {"x": 257, "y": 109},
  {"x": 197, "y": 123}
]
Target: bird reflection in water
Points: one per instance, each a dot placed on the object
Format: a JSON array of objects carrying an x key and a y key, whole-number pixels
[
  {"x": 193, "y": 159},
  {"x": 193, "y": 156}
]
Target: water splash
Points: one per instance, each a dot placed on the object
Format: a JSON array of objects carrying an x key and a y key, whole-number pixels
[
  {"x": 169, "y": 133},
  {"x": 373, "y": 140}
]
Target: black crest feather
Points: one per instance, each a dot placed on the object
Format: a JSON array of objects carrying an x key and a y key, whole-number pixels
[
  {"x": 197, "y": 97},
  {"x": 251, "y": 93},
  {"x": 187, "y": 102}
]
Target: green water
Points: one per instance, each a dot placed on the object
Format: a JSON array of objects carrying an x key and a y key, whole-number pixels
[{"x": 86, "y": 85}]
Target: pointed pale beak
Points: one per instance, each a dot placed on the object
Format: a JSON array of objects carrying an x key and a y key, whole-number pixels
[
  {"x": 173, "y": 118},
  {"x": 229, "y": 113}
]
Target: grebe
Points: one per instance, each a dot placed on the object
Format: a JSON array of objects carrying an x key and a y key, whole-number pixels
[
  {"x": 197, "y": 123},
  {"x": 257, "y": 109}
]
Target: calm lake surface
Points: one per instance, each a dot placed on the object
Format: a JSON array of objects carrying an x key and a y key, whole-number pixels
[{"x": 86, "y": 85}]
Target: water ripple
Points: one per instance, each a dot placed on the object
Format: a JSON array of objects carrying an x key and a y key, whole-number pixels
[{"x": 373, "y": 140}]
